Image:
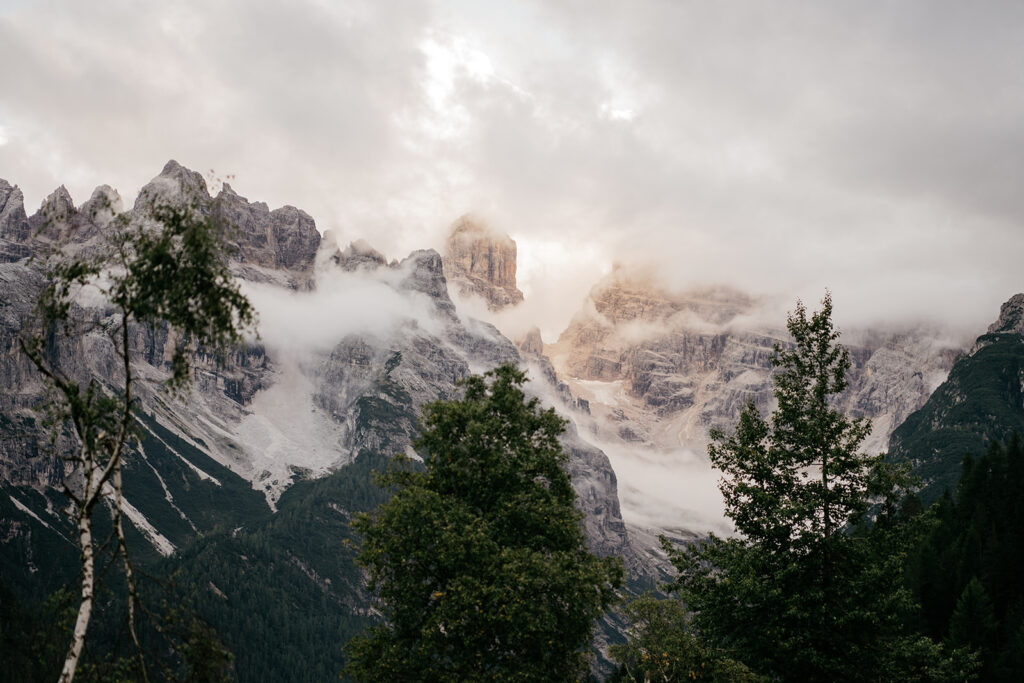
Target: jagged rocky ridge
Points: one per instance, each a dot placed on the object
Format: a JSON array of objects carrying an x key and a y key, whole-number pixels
[
  {"x": 286, "y": 421},
  {"x": 351, "y": 347},
  {"x": 278, "y": 409},
  {"x": 682, "y": 363}
]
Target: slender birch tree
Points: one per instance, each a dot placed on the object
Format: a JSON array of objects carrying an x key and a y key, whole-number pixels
[{"x": 169, "y": 272}]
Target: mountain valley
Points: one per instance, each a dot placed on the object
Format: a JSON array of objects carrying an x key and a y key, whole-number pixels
[{"x": 244, "y": 487}]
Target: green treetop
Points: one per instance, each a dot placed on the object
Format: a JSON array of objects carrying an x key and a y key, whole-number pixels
[{"x": 479, "y": 560}]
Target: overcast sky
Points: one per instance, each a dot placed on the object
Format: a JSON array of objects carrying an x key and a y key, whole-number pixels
[{"x": 873, "y": 148}]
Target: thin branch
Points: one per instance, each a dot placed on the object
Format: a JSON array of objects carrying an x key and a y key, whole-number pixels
[{"x": 122, "y": 545}]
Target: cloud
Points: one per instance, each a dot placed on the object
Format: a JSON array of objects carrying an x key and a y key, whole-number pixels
[
  {"x": 781, "y": 150},
  {"x": 555, "y": 279},
  {"x": 674, "y": 489},
  {"x": 297, "y": 324},
  {"x": 658, "y": 489}
]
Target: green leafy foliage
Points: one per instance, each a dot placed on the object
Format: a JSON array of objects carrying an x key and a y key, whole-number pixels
[
  {"x": 801, "y": 594},
  {"x": 285, "y": 592},
  {"x": 973, "y": 623},
  {"x": 796, "y": 481},
  {"x": 279, "y": 591},
  {"x": 31, "y": 640},
  {"x": 178, "y": 275},
  {"x": 478, "y": 559},
  {"x": 662, "y": 647},
  {"x": 166, "y": 271}
]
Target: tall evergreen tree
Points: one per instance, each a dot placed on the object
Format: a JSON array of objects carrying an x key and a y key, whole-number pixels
[
  {"x": 967, "y": 570},
  {"x": 973, "y": 623},
  {"x": 479, "y": 559},
  {"x": 796, "y": 595},
  {"x": 662, "y": 647}
]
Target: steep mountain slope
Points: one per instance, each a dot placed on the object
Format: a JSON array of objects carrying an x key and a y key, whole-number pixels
[
  {"x": 657, "y": 369},
  {"x": 981, "y": 401},
  {"x": 246, "y": 484},
  {"x": 292, "y": 402}
]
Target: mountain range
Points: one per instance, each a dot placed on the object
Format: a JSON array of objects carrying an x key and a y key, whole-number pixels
[{"x": 243, "y": 488}]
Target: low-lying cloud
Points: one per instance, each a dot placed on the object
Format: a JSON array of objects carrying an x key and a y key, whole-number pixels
[
  {"x": 366, "y": 304},
  {"x": 777, "y": 149},
  {"x": 672, "y": 489}
]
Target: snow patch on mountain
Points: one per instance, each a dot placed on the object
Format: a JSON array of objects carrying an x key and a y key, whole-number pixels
[
  {"x": 284, "y": 430},
  {"x": 158, "y": 540}
]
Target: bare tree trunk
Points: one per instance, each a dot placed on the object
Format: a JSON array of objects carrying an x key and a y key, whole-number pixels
[
  {"x": 129, "y": 574},
  {"x": 85, "y": 608}
]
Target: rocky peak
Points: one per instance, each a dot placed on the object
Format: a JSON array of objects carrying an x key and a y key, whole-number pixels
[
  {"x": 622, "y": 299},
  {"x": 630, "y": 307},
  {"x": 102, "y": 206},
  {"x": 14, "y": 227},
  {"x": 285, "y": 238},
  {"x": 6, "y": 189},
  {"x": 532, "y": 342},
  {"x": 425, "y": 273},
  {"x": 479, "y": 261},
  {"x": 1011, "y": 316},
  {"x": 55, "y": 215},
  {"x": 174, "y": 184},
  {"x": 358, "y": 255},
  {"x": 635, "y": 295},
  {"x": 295, "y": 237},
  {"x": 59, "y": 206}
]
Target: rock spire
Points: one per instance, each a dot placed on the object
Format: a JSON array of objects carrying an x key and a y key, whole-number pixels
[{"x": 479, "y": 261}]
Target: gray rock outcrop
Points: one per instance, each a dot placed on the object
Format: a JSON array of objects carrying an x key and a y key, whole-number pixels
[
  {"x": 358, "y": 255},
  {"x": 285, "y": 239},
  {"x": 175, "y": 184},
  {"x": 15, "y": 230},
  {"x": 1011, "y": 316}
]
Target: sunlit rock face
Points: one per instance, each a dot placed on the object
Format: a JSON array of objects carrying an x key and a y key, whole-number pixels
[
  {"x": 478, "y": 261},
  {"x": 662, "y": 368}
]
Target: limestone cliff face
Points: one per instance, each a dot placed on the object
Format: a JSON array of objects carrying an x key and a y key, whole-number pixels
[
  {"x": 479, "y": 262},
  {"x": 267, "y": 413},
  {"x": 56, "y": 221},
  {"x": 662, "y": 368},
  {"x": 276, "y": 246},
  {"x": 358, "y": 255},
  {"x": 282, "y": 240},
  {"x": 174, "y": 184}
]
